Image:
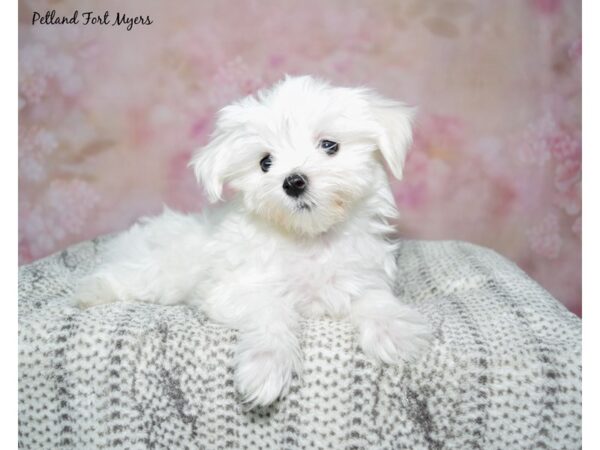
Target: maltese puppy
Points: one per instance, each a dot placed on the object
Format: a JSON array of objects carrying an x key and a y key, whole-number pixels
[{"x": 307, "y": 233}]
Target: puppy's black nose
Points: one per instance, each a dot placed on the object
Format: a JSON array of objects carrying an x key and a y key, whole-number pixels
[{"x": 295, "y": 184}]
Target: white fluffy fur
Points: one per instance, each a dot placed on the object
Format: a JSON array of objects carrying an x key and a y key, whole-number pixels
[{"x": 260, "y": 261}]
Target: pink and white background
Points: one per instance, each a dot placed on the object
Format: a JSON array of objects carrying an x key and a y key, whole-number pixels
[{"x": 108, "y": 118}]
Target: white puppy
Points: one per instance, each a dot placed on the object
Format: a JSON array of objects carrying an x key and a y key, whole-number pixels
[{"x": 307, "y": 233}]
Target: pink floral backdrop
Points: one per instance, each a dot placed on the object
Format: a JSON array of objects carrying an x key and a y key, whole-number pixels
[{"x": 109, "y": 117}]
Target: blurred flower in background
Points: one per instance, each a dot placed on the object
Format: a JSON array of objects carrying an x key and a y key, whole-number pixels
[{"x": 109, "y": 117}]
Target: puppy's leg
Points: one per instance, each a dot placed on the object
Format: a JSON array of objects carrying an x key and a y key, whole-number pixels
[
  {"x": 268, "y": 351},
  {"x": 95, "y": 289},
  {"x": 158, "y": 260},
  {"x": 389, "y": 331}
]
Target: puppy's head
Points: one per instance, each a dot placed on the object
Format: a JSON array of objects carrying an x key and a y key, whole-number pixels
[{"x": 303, "y": 153}]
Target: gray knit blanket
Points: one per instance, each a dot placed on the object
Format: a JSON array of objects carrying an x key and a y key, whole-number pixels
[{"x": 504, "y": 370}]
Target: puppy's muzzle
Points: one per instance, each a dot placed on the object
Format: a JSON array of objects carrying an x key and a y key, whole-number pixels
[{"x": 295, "y": 184}]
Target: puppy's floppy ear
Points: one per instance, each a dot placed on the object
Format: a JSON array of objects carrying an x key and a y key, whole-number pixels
[
  {"x": 393, "y": 130},
  {"x": 211, "y": 163}
]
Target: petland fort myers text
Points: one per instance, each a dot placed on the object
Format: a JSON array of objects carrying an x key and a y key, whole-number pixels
[{"x": 90, "y": 18}]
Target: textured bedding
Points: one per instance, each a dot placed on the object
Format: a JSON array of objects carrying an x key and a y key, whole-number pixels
[{"x": 504, "y": 370}]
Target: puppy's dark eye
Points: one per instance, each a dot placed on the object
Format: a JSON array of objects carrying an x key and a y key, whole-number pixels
[
  {"x": 266, "y": 162},
  {"x": 330, "y": 147}
]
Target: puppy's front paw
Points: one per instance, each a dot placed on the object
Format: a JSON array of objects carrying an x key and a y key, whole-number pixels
[
  {"x": 262, "y": 375},
  {"x": 395, "y": 339}
]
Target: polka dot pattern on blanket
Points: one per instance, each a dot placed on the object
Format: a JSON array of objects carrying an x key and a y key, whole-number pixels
[{"x": 504, "y": 370}]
